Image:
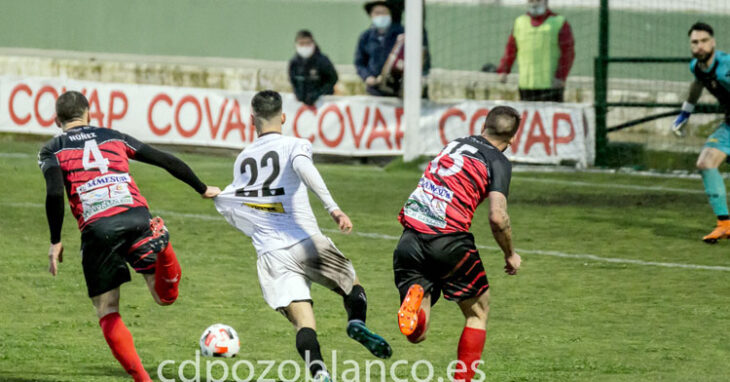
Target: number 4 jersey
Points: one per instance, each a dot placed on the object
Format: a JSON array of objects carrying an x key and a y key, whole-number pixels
[
  {"x": 95, "y": 167},
  {"x": 454, "y": 183},
  {"x": 268, "y": 200}
]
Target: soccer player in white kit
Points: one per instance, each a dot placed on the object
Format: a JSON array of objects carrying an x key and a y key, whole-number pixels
[{"x": 268, "y": 201}]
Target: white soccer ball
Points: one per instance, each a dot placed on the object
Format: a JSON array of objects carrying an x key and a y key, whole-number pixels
[{"x": 219, "y": 340}]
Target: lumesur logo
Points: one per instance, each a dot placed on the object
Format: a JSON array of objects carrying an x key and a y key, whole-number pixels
[{"x": 341, "y": 370}]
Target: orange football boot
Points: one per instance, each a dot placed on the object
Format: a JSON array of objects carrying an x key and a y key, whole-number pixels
[
  {"x": 722, "y": 231},
  {"x": 408, "y": 312}
]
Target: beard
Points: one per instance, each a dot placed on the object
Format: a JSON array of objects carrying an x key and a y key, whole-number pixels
[{"x": 704, "y": 56}]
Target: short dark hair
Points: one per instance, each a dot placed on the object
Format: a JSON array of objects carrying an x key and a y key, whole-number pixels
[
  {"x": 502, "y": 122},
  {"x": 700, "y": 26},
  {"x": 71, "y": 105},
  {"x": 372, "y": 4},
  {"x": 304, "y": 33},
  {"x": 265, "y": 105}
]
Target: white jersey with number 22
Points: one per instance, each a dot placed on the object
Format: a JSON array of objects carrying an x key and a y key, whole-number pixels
[{"x": 267, "y": 199}]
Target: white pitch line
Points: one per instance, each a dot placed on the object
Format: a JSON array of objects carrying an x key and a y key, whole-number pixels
[
  {"x": 565, "y": 255},
  {"x": 372, "y": 235},
  {"x": 528, "y": 179},
  {"x": 23, "y": 204},
  {"x": 603, "y": 185}
]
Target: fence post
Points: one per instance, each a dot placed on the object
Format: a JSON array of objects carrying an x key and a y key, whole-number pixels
[
  {"x": 601, "y": 85},
  {"x": 412, "y": 83}
]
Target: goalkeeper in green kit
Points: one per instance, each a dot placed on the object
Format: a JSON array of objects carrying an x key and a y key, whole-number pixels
[{"x": 711, "y": 69}]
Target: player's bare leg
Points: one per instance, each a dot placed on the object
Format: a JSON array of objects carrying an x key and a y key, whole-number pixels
[
  {"x": 301, "y": 315},
  {"x": 708, "y": 163},
  {"x": 106, "y": 303},
  {"x": 356, "y": 305},
  {"x": 117, "y": 335},
  {"x": 476, "y": 311},
  {"x": 414, "y": 313},
  {"x": 473, "y": 337}
]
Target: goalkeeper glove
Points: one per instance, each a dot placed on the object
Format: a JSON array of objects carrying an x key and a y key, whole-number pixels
[{"x": 682, "y": 119}]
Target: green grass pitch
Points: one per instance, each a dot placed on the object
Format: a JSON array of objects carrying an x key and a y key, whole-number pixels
[{"x": 559, "y": 319}]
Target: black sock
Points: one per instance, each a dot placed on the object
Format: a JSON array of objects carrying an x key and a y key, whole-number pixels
[
  {"x": 356, "y": 304},
  {"x": 308, "y": 348},
  {"x": 723, "y": 217}
]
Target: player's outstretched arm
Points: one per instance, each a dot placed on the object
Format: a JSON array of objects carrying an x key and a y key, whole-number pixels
[
  {"x": 304, "y": 167},
  {"x": 176, "y": 167},
  {"x": 499, "y": 221},
  {"x": 54, "y": 215},
  {"x": 695, "y": 91}
]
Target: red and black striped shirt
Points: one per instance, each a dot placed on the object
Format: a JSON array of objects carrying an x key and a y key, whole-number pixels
[
  {"x": 92, "y": 164},
  {"x": 454, "y": 183},
  {"x": 95, "y": 166}
]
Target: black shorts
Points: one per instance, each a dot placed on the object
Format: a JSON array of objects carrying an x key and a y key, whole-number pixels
[
  {"x": 545, "y": 95},
  {"x": 109, "y": 243},
  {"x": 447, "y": 263}
]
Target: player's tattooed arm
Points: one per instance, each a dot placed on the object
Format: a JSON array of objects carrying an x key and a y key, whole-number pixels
[
  {"x": 498, "y": 217},
  {"x": 502, "y": 230},
  {"x": 500, "y": 223}
]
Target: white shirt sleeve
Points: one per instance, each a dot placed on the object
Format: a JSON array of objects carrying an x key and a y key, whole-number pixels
[{"x": 304, "y": 167}]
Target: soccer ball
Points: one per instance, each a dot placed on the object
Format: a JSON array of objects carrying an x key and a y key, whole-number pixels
[{"x": 219, "y": 340}]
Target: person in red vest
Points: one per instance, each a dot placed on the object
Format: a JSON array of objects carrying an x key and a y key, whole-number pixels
[{"x": 542, "y": 43}]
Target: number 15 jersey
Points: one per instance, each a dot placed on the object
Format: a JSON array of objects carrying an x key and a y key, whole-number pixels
[
  {"x": 267, "y": 200},
  {"x": 454, "y": 183}
]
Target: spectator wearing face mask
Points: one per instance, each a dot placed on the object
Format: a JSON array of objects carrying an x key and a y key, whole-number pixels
[
  {"x": 374, "y": 46},
  {"x": 542, "y": 43},
  {"x": 311, "y": 73}
]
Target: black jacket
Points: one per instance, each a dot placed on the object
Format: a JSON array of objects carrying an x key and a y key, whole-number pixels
[{"x": 312, "y": 77}]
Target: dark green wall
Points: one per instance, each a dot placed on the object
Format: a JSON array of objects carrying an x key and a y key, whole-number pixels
[{"x": 462, "y": 37}]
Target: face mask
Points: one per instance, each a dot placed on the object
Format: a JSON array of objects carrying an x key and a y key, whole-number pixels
[
  {"x": 381, "y": 22},
  {"x": 305, "y": 51},
  {"x": 537, "y": 9}
]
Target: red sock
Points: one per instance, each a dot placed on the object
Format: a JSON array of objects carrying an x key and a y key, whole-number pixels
[
  {"x": 167, "y": 275},
  {"x": 122, "y": 346},
  {"x": 420, "y": 327},
  {"x": 470, "y": 350}
]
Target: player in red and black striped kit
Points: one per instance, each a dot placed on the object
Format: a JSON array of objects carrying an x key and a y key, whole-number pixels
[
  {"x": 92, "y": 164},
  {"x": 436, "y": 253}
]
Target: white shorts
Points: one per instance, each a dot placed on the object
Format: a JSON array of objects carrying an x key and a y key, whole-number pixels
[{"x": 286, "y": 274}]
